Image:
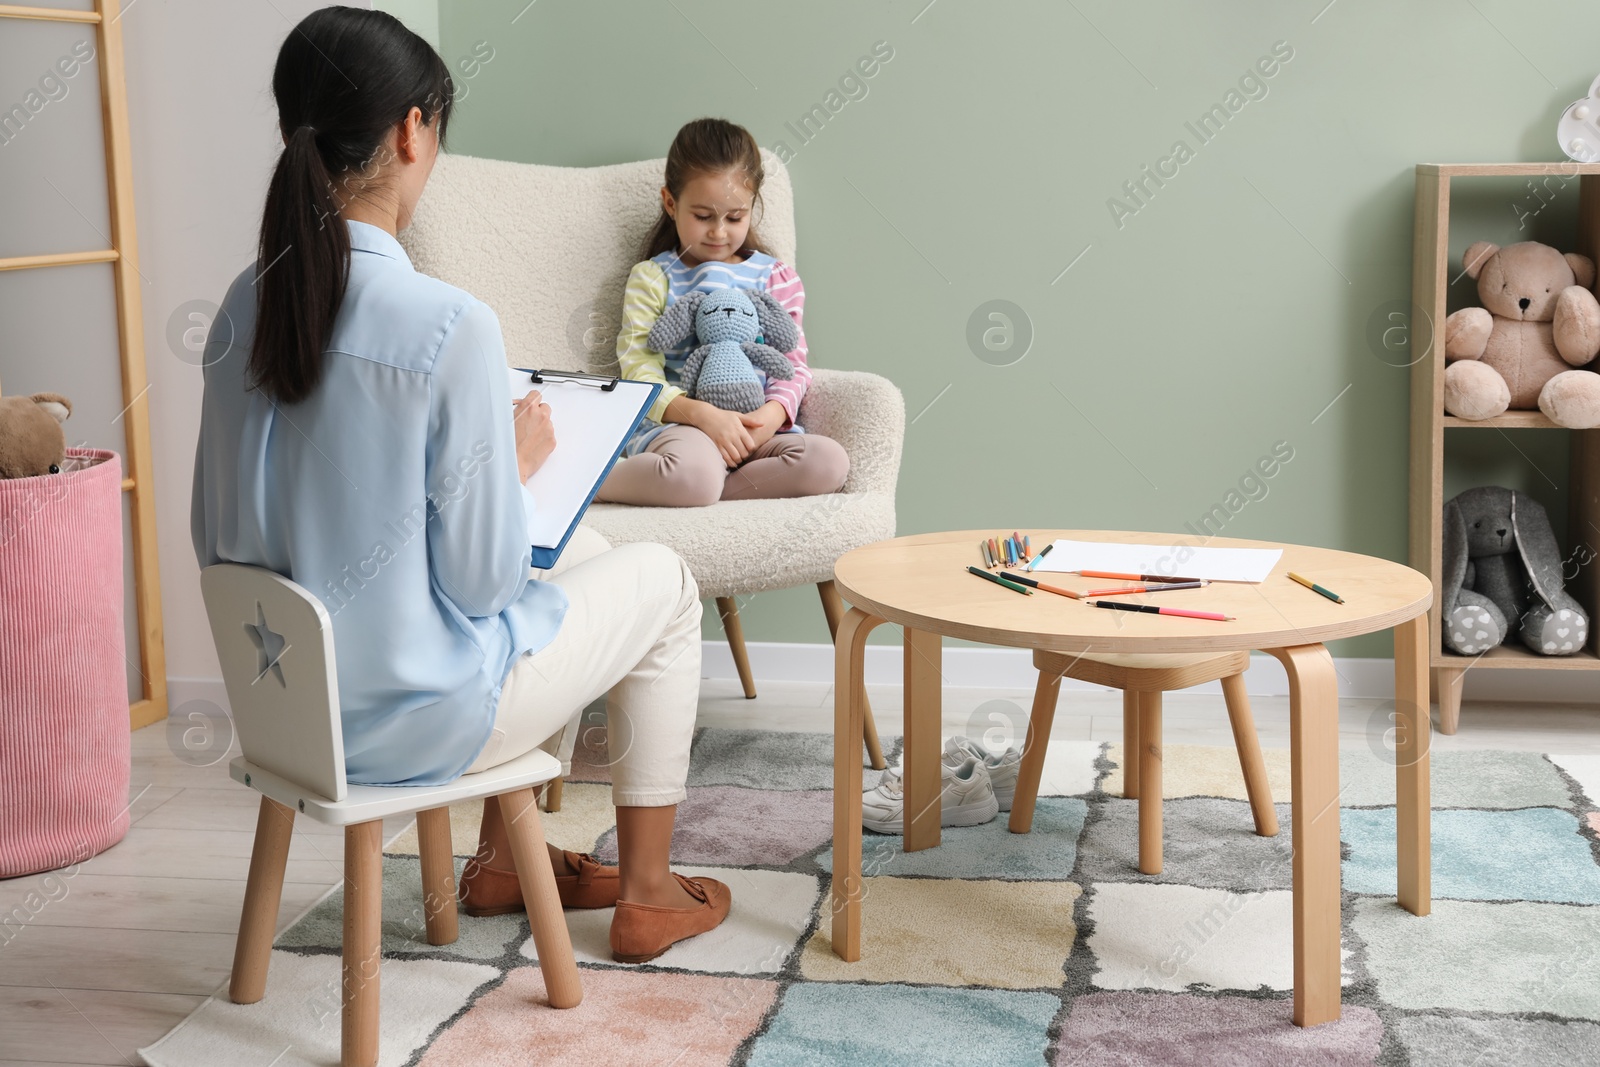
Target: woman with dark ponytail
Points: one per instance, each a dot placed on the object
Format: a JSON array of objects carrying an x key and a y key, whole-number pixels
[{"x": 358, "y": 436}]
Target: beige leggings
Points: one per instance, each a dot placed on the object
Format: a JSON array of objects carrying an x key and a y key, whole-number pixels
[{"x": 681, "y": 468}]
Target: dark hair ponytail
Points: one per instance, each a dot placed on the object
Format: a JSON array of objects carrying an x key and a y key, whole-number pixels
[
  {"x": 707, "y": 146},
  {"x": 345, "y": 78}
]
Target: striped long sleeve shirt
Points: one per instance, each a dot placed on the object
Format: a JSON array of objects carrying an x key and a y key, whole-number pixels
[{"x": 653, "y": 286}]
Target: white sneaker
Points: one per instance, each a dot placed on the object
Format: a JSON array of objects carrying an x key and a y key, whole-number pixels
[
  {"x": 966, "y": 798},
  {"x": 1002, "y": 768}
]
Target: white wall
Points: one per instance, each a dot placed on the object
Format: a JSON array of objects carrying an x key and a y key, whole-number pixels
[{"x": 204, "y": 136}]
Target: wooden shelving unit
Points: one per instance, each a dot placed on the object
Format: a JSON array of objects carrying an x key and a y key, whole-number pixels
[{"x": 1431, "y": 272}]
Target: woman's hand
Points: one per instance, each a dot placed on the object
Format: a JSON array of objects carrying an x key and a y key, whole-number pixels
[
  {"x": 763, "y": 422},
  {"x": 536, "y": 434}
]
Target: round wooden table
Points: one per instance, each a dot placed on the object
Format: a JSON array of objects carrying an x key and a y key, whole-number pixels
[{"x": 920, "y": 583}]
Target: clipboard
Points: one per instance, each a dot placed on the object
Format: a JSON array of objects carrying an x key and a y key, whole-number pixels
[{"x": 594, "y": 416}]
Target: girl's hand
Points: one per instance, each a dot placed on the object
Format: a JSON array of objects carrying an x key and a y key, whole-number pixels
[
  {"x": 727, "y": 431},
  {"x": 536, "y": 434},
  {"x": 763, "y": 422}
]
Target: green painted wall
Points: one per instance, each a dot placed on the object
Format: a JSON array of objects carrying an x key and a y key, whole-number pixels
[
  {"x": 1222, "y": 314},
  {"x": 421, "y": 15}
]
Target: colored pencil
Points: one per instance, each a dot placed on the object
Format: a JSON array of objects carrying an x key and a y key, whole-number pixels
[
  {"x": 1163, "y": 579},
  {"x": 1153, "y": 610},
  {"x": 1146, "y": 588},
  {"x": 1037, "y": 584},
  {"x": 1000, "y": 581},
  {"x": 1043, "y": 552},
  {"x": 983, "y": 554},
  {"x": 1315, "y": 588}
]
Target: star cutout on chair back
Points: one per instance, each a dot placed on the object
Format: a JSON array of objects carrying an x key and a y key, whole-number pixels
[{"x": 270, "y": 647}]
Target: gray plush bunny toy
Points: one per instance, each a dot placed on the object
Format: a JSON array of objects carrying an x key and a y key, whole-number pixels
[
  {"x": 1502, "y": 575},
  {"x": 726, "y": 322}
]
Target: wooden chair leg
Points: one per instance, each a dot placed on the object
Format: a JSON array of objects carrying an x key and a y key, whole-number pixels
[
  {"x": 550, "y": 937},
  {"x": 869, "y": 734},
  {"x": 1130, "y": 744},
  {"x": 363, "y": 937},
  {"x": 263, "y": 892},
  {"x": 728, "y": 608},
  {"x": 552, "y": 795},
  {"x": 833, "y": 610},
  {"x": 438, "y": 875},
  {"x": 1040, "y": 721},
  {"x": 1150, "y": 783},
  {"x": 1245, "y": 740}
]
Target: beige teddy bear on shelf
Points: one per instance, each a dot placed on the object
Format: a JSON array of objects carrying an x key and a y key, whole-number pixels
[{"x": 1538, "y": 322}]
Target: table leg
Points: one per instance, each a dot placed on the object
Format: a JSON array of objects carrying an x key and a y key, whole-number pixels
[
  {"x": 1413, "y": 736},
  {"x": 849, "y": 700},
  {"x": 1149, "y": 759},
  {"x": 920, "y": 759},
  {"x": 1314, "y": 774}
]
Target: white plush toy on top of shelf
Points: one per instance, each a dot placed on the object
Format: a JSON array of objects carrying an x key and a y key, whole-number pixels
[{"x": 1578, "y": 130}]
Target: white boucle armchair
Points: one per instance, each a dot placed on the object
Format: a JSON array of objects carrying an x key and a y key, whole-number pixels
[{"x": 549, "y": 250}]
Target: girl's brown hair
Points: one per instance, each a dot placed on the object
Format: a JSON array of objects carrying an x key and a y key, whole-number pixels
[{"x": 708, "y": 146}]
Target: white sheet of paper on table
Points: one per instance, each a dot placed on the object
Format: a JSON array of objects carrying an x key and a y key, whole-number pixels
[
  {"x": 589, "y": 424},
  {"x": 1217, "y": 564}
]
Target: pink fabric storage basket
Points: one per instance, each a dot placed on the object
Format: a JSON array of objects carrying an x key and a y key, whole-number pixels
[{"x": 64, "y": 740}]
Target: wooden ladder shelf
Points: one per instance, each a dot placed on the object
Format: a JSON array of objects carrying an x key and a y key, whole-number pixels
[{"x": 123, "y": 255}]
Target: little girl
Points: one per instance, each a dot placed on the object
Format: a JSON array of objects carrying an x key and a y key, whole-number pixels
[{"x": 685, "y": 452}]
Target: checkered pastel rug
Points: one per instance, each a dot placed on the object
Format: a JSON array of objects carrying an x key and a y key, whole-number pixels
[{"x": 1049, "y": 948}]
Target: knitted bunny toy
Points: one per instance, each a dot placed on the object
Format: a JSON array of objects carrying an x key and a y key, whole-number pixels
[
  {"x": 1503, "y": 577},
  {"x": 727, "y": 323}
]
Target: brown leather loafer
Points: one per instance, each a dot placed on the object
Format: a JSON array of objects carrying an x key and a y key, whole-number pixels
[
  {"x": 594, "y": 886},
  {"x": 492, "y": 891},
  {"x": 641, "y": 932}
]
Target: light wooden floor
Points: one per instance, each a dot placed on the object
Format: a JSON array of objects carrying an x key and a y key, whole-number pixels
[{"x": 145, "y": 930}]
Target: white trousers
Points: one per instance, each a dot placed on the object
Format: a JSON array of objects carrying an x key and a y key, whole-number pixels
[{"x": 632, "y": 632}]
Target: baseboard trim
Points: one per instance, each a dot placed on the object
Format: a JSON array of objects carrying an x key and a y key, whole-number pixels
[{"x": 1012, "y": 668}]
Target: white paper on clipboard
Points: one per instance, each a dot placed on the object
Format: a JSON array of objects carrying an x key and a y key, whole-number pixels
[{"x": 591, "y": 426}]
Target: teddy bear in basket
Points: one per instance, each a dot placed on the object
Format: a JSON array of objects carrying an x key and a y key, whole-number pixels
[
  {"x": 727, "y": 323},
  {"x": 1502, "y": 577},
  {"x": 31, "y": 439},
  {"x": 1538, "y": 322}
]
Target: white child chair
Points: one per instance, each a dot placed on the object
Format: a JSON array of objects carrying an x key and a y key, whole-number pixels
[{"x": 275, "y": 641}]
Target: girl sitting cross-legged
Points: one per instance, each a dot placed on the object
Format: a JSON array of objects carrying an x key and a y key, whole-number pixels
[{"x": 687, "y": 452}]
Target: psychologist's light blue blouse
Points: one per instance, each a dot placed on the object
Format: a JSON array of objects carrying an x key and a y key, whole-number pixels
[{"x": 392, "y": 494}]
